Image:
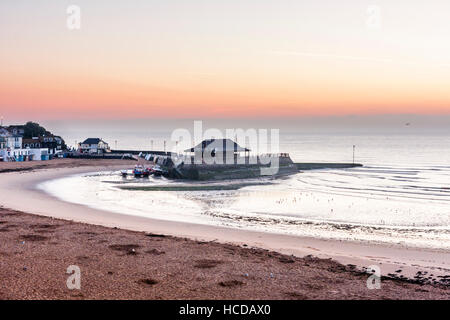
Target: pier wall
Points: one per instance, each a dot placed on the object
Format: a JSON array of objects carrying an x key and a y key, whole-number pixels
[
  {"x": 316, "y": 166},
  {"x": 232, "y": 171},
  {"x": 100, "y": 156},
  {"x": 245, "y": 171},
  {"x": 136, "y": 152}
]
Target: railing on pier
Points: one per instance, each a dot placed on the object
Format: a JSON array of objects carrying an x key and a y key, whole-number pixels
[{"x": 237, "y": 159}]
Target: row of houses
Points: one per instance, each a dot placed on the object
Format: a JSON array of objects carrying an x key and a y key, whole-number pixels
[{"x": 15, "y": 147}]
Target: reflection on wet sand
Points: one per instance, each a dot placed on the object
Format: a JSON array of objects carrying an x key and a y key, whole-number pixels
[{"x": 381, "y": 204}]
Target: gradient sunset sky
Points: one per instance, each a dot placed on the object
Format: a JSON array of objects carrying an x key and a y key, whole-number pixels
[{"x": 213, "y": 58}]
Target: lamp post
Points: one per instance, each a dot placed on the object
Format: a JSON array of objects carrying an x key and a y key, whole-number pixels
[{"x": 354, "y": 154}]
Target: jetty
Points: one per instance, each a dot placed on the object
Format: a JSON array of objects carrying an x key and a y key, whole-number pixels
[
  {"x": 240, "y": 171},
  {"x": 303, "y": 166},
  {"x": 223, "y": 159}
]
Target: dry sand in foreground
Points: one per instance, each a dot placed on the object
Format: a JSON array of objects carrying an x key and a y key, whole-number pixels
[{"x": 35, "y": 253}]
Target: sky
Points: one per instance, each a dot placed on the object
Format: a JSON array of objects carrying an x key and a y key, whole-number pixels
[{"x": 224, "y": 59}]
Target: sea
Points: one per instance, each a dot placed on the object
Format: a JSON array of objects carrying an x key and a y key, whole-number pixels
[{"x": 401, "y": 194}]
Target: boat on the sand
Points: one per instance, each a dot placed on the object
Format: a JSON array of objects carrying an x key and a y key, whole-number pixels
[
  {"x": 146, "y": 172},
  {"x": 158, "y": 171},
  {"x": 138, "y": 171}
]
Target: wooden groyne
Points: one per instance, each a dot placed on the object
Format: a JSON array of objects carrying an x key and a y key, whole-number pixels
[{"x": 316, "y": 166}]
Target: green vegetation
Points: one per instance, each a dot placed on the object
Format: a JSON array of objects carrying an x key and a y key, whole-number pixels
[{"x": 33, "y": 129}]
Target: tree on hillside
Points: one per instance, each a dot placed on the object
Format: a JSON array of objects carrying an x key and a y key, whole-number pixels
[{"x": 33, "y": 129}]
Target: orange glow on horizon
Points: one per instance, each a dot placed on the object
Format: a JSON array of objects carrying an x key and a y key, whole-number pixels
[{"x": 282, "y": 64}]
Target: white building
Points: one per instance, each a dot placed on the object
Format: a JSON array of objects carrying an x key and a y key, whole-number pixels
[
  {"x": 38, "y": 154},
  {"x": 9, "y": 140},
  {"x": 15, "y": 154},
  {"x": 94, "y": 146},
  {"x": 11, "y": 147}
]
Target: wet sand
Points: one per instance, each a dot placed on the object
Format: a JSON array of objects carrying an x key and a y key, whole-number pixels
[
  {"x": 35, "y": 252},
  {"x": 63, "y": 163}
]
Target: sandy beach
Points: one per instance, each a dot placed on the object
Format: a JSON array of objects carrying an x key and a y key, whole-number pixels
[{"x": 130, "y": 257}]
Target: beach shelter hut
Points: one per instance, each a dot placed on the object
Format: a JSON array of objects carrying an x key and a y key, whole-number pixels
[{"x": 219, "y": 150}]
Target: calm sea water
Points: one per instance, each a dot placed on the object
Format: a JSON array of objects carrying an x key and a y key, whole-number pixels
[{"x": 401, "y": 195}]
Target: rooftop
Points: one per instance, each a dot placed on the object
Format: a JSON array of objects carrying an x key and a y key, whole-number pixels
[
  {"x": 92, "y": 141},
  {"x": 218, "y": 145}
]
